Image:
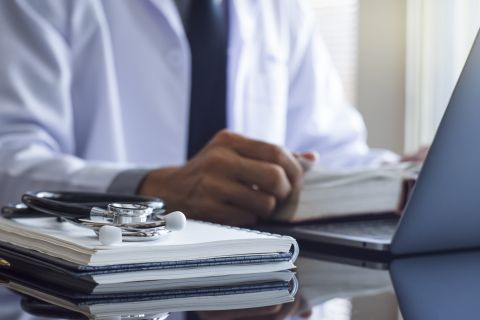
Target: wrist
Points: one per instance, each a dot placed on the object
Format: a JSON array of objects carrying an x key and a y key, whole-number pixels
[
  {"x": 127, "y": 181},
  {"x": 161, "y": 183}
]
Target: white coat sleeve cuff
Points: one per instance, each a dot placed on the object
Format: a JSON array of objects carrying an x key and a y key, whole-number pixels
[{"x": 128, "y": 181}]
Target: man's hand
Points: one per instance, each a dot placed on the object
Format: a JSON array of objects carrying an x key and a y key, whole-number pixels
[
  {"x": 418, "y": 156},
  {"x": 233, "y": 180}
]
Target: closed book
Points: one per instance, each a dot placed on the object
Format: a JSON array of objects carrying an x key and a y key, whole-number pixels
[{"x": 341, "y": 193}]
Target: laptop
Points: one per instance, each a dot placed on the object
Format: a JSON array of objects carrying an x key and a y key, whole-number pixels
[{"x": 443, "y": 212}]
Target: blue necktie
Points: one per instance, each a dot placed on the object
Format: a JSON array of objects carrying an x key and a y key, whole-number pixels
[{"x": 207, "y": 34}]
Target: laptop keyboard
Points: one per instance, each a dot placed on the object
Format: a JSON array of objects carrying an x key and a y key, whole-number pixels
[{"x": 377, "y": 229}]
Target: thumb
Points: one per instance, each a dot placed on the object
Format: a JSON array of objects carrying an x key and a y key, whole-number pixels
[
  {"x": 307, "y": 159},
  {"x": 310, "y": 155}
]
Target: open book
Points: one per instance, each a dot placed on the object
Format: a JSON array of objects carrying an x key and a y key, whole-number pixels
[{"x": 330, "y": 194}]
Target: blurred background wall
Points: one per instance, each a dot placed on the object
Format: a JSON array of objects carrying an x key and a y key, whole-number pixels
[{"x": 399, "y": 61}]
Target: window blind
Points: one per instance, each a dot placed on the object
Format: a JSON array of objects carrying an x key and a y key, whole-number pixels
[{"x": 337, "y": 23}]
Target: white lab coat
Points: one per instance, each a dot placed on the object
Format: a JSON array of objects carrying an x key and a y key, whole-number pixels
[{"x": 90, "y": 88}]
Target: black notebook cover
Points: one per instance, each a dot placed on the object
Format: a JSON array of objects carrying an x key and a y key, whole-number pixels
[{"x": 79, "y": 278}]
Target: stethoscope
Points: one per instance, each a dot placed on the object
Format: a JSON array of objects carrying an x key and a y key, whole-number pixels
[{"x": 114, "y": 218}]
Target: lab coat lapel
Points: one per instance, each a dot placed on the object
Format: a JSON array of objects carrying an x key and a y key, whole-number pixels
[
  {"x": 257, "y": 79},
  {"x": 181, "y": 99},
  {"x": 241, "y": 25},
  {"x": 169, "y": 11}
]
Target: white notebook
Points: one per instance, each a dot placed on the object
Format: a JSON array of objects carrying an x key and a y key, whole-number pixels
[{"x": 198, "y": 240}]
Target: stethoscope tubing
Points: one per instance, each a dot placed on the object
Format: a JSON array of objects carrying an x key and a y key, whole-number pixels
[
  {"x": 68, "y": 205},
  {"x": 114, "y": 218}
]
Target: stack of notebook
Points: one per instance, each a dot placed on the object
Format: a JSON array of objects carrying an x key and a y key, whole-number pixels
[{"x": 202, "y": 254}]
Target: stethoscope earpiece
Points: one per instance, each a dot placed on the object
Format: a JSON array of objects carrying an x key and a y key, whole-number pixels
[
  {"x": 175, "y": 221},
  {"x": 110, "y": 235}
]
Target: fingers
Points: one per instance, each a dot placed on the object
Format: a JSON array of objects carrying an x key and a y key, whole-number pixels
[
  {"x": 273, "y": 154},
  {"x": 257, "y": 203},
  {"x": 269, "y": 178},
  {"x": 418, "y": 156},
  {"x": 224, "y": 213},
  {"x": 263, "y": 151},
  {"x": 233, "y": 180},
  {"x": 307, "y": 160},
  {"x": 310, "y": 156},
  {"x": 226, "y": 165},
  {"x": 306, "y": 314},
  {"x": 241, "y": 196}
]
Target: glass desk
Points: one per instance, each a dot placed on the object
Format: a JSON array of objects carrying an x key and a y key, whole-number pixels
[{"x": 445, "y": 286}]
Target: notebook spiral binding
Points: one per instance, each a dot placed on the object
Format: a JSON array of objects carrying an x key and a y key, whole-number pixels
[{"x": 295, "y": 250}]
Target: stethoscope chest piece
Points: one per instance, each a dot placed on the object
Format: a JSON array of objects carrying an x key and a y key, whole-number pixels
[
  {"x": 130, "y": 212},
  {"x": 133, "y": 222}
]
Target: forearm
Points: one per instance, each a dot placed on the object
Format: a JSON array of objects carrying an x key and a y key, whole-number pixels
[{"x": 36, "y": 168}]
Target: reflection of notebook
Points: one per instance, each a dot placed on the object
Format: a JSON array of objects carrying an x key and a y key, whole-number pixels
[
  {"x": 200, "y": 250},
  {"x": 230, "y": 295}
]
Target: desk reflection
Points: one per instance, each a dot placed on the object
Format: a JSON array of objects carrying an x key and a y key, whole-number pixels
[
  {"x": 255, "y": 294},
  {"x": 322, "y": 283},
  {"x": 445, "y": 286},
  {"x": 40, "y": 308},
  {"x": 276, "y": 312},
  {"x": 343, "y": 291}
]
